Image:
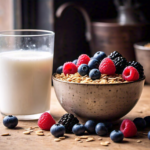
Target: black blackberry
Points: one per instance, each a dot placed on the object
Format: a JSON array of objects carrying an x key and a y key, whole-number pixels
[
  {"x": 114, "y": 55},
  {"x": 138, "y": 66},
  {"x": 120, "y": 63},
  {"x": 68, "y": 120}
]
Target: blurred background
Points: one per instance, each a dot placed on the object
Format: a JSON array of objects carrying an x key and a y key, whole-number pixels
[{"x": 82, "y": 26}]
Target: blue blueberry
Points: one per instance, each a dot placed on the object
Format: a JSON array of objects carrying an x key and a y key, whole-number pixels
[
  {"x": 108, "y": 125},
  {"x": 90, "y": 126},
  {"x": 149, "y": 135},
  {"x": 75, "y": 61},
  {"x": 57, "y": 130},
  {"x": 93, "y": 64},
  {"x": 99, "y": 56},
  {"x": 101, "y": 129},
  {"x": 95, "y": 74},
  {"x": 78, "y": 129},
  {"x": 147, "y": 120},
  {"x": 116, "y": 136},
  {"x": 59, "y": 70},
  {"x": 10, "y": 121},
  {"x": 83, "y": 69},
  {"x": 140, "y": 123}
]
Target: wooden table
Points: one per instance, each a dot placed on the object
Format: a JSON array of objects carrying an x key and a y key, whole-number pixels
[{"x": 18, "y": 141}]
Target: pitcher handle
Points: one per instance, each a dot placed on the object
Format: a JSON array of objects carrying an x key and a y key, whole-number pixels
[{"x": 84, "y": 13}]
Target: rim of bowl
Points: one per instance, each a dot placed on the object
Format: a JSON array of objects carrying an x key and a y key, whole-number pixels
[
  {"x": 140, "y": 46},
  {"x": 53, "y": 76}
]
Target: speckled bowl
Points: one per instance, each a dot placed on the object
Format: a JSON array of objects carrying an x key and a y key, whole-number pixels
[{"x": 103, "y": 102}]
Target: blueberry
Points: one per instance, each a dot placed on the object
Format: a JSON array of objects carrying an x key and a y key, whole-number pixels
[
  {"x": 94, "y": 74},
  {"x": 147, "y": 120},
  {"x": 90, "y": 126},
  {"x": 59, "y": 70},
  {"x": 93, "y": 63},
  {"x": 99, "y": 56},
  {"x": 83, "y": 69},
  {"x": 108, "y": 125},
  {"x": 149, "y": 135},
  {"x": 75, "y": 61},
  {"x": 10, "y": 121},
  {"x": 140, "y": 123},
  {"x": 78, "y": 129},
  {"x": 57, "y": 130},
  {"x": 116, "y": 136},
  {"x": 101, "y": 129}
]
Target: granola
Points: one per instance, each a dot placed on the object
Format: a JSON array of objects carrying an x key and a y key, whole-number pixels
[{"x": 104, "y": 79}]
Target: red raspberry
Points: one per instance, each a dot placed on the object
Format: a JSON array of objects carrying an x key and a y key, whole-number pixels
[
  {"x": 69, "y": 68},
  {"x": 130, "y": 74},
  {"x": 83, "y": 59},
  {"x": 128, "y": 128},
  {"x": 107, "y": 66},
  {"x": 46, "y": 121}
]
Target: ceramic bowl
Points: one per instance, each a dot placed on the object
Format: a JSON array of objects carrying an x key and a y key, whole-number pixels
[
  {"x": 103, "y": 102},
  {"x": 143, "y": 56}
]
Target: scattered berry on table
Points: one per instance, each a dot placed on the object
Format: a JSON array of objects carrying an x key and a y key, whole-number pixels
[
  {"x": 78, "y": 129},
  {"x": 100, "y": 55},
  {"x": 140, "y": 123},
  {"x": 101, "y": 129},
  {"x": 107, "y": 66},
  {"x": 130, "y": 74},
  {"x": 57, "y": 130},
  {"x": 46, "y": 121},
  {"x": 69, "y": 68},
  {"x": 147, "y": 120},
  {"x": 149, "y": 135},
  {"x": 116, "y": 136},
  {"x": 93, "y": 64},
  {"x": 68, "y": 121},
  {"x": 59, "y": 70},
  {"x": 138, "y": 66},
  {"x": 75, "y": 61},
  {"x": 128, "y": 128},
  {"x": 83, "y": 59},
  {"x": 120, "y": 64},
  {"x": 10, "y": 121},
  {"x": 114, "y": 55},
  {"x": 94, "y": 74},
  {"x": 90, "y": 126},
  {"x": 108, "y": 125},
  {"x": 83, "y": 69}
]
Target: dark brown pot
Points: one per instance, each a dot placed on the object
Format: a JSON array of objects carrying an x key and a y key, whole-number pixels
[{"x": 109, "y": 37}]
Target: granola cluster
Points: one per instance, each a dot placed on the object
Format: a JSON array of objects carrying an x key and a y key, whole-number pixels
[{"x": 104, "y": 79}]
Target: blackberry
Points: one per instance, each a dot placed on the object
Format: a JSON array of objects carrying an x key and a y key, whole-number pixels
[
  {"x": 120, "y": 64},
  {"x": 68, "y": 120},
  {"x": 138, "y": 66},
  {"x": 114, "y": 55}
]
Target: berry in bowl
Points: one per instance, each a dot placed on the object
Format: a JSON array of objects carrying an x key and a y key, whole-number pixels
[{"x": 103, "y": 88}]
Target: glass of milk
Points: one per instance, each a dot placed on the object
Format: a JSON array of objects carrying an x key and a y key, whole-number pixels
[{"x": 26, "y": 61}]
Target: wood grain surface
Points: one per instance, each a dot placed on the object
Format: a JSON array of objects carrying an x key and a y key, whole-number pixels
[{"x": 18, "y": 141}]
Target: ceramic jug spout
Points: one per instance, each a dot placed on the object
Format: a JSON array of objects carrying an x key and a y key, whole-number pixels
[{"x": 83, "y": 12}]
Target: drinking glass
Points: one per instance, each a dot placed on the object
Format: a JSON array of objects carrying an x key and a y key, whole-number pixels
[{"x": 26, "y": 60}]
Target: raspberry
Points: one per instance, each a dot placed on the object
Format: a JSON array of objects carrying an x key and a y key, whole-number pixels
[
  {"x": 107, "y": 66},
  {"x": 130, "y": 74},
  {"x": 69, "y": 68},
  {"x": 83, "y": 59},
  {"x": 128, "y": 128},
  {"x": 46, "y": 121}
]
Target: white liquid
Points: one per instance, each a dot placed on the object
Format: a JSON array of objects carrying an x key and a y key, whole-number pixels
[{"x": 25, "y": 81}]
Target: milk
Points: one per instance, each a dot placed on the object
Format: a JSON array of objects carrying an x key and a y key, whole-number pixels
[{"x": 25, "y": 81}]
